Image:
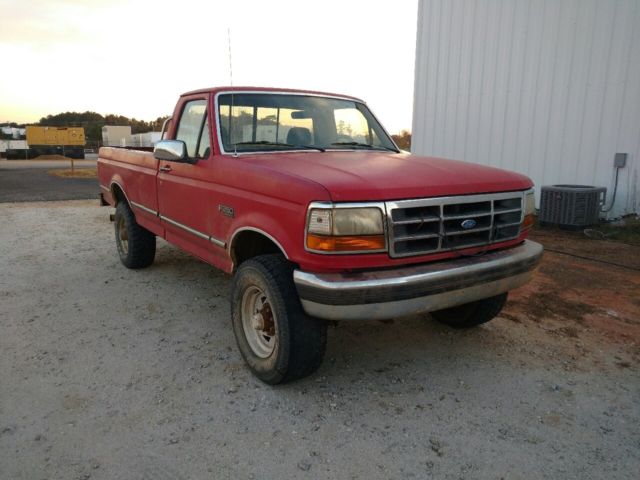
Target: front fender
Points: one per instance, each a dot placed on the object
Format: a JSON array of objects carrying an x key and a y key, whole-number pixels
[{"x": 284, "y": 229}]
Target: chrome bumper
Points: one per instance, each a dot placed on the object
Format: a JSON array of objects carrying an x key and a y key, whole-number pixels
[{"x": 383, "y": 294}]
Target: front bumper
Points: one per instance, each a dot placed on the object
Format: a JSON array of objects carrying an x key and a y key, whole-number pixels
[{"x": 384, "y": 294}]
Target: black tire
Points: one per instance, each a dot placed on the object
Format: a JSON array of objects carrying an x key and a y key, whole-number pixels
[
  {"x": 471, "y": 314},
  {"x": 136, "y": 245},
  {"x": 287, "y": 343}
]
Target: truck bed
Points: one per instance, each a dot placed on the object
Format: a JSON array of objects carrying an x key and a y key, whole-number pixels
[{"x": 135, "y": 169}]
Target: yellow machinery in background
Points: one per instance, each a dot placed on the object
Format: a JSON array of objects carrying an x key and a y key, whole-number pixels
[
  {"x": 55, "y": 136},
  {"x": 65, "y": 141}
]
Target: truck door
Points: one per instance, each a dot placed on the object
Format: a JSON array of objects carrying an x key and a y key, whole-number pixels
[{"x": 185, "y": 190}]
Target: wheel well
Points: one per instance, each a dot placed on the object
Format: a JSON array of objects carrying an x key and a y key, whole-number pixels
[
  {"x": 248, "y": 244},
  {"x": 117, "y": 193}
]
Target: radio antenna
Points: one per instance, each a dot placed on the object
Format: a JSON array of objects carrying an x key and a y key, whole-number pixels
[
  {"x": 235, "y": 151},
  {"x": 230, "y": 57}
]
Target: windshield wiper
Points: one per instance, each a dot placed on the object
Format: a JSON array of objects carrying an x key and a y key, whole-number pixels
[
  {"x": 365, "y": 145},
  {"x": 280, "y": 144}
]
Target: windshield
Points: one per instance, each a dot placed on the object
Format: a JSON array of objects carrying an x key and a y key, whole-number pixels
[{"x": 251, "y": 122}]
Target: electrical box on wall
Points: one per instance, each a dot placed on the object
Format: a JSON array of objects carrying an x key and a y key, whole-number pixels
[{"x": 620, "y": 160}]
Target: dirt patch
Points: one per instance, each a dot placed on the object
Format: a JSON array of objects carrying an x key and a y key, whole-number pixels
[
  {"x": 593, "y": 284},
  {"x": 75, "y": 173},
  {"x": 589, "y": 300},
  {"x": 571, "y": 332}
]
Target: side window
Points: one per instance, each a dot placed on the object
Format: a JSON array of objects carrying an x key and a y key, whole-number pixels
[{"x": 191, "y": 123}]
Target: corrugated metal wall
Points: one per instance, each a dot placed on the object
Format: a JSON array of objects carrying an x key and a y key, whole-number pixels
[{"x": 548, "y": 88}]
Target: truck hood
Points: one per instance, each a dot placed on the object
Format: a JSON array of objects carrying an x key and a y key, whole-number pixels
[{"x": 375, "y": 176}]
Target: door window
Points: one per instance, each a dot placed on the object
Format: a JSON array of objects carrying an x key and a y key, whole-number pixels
[{"x": 192, "y": 127}]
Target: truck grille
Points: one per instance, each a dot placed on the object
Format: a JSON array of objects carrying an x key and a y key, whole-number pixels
[{"x": 418, "y": 227}]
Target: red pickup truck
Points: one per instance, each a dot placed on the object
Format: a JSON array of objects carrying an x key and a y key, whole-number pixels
[{"x": 307, "y": 201}]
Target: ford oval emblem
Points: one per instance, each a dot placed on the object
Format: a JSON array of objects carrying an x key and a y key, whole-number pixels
[{"x": 468, "y": 224}]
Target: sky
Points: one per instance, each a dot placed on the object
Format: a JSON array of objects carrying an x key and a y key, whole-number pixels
[{"x": 135, "y": 57}]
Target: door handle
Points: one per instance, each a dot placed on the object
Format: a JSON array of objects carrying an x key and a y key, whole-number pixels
[{"x": 166, "y": 168}]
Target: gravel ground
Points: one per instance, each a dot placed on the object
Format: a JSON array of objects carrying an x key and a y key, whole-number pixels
[{"x": 115, "y": 374}]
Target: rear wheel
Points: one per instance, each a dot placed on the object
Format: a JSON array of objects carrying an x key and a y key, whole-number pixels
[
  {"x": 277, "y": 339},
  {"x": 136, "y": 245},
  {"x": 471, "y": 314}
]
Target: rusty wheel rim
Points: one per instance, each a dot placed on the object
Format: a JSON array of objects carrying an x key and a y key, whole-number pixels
[
  {"x": 122, "y": 237},
  {"x": 258, "y": 322}
]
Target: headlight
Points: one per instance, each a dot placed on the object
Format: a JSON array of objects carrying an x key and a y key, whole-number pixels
[
  {"x": 346, "y": 221},
  {"x": 345, "y": 230},
  {"x": 529, "y": 210},
  {"x": 530, "y": 202}
]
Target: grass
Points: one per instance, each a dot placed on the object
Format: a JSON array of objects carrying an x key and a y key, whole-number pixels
[
  {"x": 626, "y": 230},
  {"x": 77, "y": 173}
]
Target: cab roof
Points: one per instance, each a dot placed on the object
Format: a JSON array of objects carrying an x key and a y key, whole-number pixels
[{"x": 214, "y": 90}]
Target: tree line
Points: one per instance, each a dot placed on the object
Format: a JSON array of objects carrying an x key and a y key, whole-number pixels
[{"x": 93, "y": 123}]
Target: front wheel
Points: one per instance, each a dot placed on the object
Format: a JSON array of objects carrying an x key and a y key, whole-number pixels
[
  {"x": 277, "y": 339},
  {"x": 471, "y": 314}
]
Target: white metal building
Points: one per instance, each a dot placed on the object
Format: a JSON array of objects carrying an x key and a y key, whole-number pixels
[
  {"x": 148, "y": 139},
  {"x": 12, "y": 145},
  {"x": 116, "y": 136},
  {"x": 15, "y": 132},
  {"x": 549, "y": 88}
]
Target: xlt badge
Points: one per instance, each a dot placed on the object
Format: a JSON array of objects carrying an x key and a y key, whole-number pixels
[{"x": 226, "y": 210}]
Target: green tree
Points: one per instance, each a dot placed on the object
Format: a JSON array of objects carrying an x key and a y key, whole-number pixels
[{"x": 403, "y": 140}]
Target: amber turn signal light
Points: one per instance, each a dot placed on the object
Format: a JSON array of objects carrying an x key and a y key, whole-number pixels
[
  {"x": 345, "y": 243},
  {"x": 528, "y": 222}
]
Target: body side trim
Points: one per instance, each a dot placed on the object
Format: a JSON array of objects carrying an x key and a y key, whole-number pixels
[
  {"x": 197, "y": 233},
  {"x": 144, "y": 209}
]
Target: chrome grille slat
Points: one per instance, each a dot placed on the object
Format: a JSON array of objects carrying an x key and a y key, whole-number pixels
[
  {"x": 460, "y": 217},
  {"x": 417, "y": 237},
  {"x": 466, "y": 232},
  {"x": 431, "y": 225},
  {"x": 420, "y": 220},
  {"x": 505, "y": 225},
  {"x": 510, "y": 210}
]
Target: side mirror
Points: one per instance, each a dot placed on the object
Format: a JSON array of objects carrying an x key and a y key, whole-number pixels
[{"x": 171, "y": 151}]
